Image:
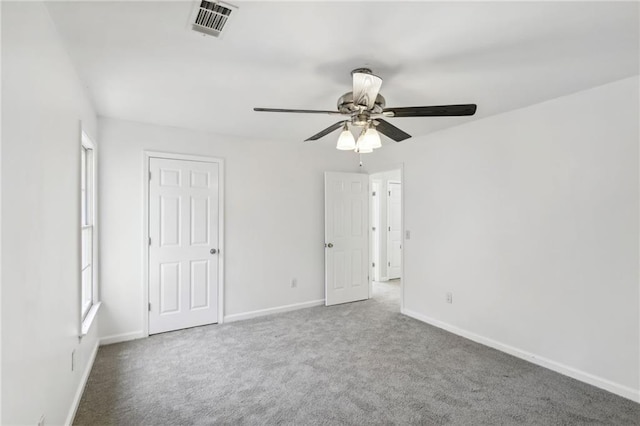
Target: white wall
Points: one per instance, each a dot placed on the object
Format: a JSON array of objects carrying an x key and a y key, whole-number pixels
[
  {"x": 384, "y": 178},
  {"x": 274, "y": 228},
  {"x": 0, "y": 222},
  {"x": 530, "y": 219},
  {"x": 42, "y": 105}
]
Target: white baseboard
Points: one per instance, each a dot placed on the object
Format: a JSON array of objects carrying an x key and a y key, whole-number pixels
[
  {"x": 618, "y": 389},
  {"x": 124, "y": 337},
  {"x": 269, "y": 311},
  {"x": 83, "y": 382}
]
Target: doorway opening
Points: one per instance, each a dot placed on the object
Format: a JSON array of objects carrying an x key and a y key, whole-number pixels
[
  {"x": 385, "y": 239},
  {"x": 363, "y": 235}
]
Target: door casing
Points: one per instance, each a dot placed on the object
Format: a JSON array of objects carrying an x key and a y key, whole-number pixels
[
  {"x": 389, "y": 238},
  {"x": 145, "y": 218},
  {"x": 381, "y": 169},
  {"x": 374, "y": 208}
]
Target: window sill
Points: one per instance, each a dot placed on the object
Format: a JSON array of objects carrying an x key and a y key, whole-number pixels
[{"x": 88, "y": 320}]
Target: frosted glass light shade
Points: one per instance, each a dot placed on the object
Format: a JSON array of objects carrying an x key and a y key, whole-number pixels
[
  {"x": 346, "y": 141},
  {"x": 363, "y": 146},
  {"x": 372, "y": 138}
]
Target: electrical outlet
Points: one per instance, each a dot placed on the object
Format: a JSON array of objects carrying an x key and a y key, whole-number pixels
[
  {"x": 449, "y": 297},
  {"x": 294, "y": 283},
  {"x": 41, "y": 421},
  {"x": 73, "y": 360}
]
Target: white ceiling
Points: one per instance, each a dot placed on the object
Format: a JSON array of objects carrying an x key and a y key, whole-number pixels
[{"x": 141, "y": 61}]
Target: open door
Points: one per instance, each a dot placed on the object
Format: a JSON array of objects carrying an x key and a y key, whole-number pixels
[
  {"x": 183, "y": 245},
  {"x": 346, "y": 218},
  {"x": 394, "y": 233}
]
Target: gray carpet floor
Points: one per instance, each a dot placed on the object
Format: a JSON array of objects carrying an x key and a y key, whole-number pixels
[{"x": 358, "y": 363}]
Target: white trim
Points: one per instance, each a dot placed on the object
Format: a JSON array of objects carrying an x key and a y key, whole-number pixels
[
  {"x": 124, "y": 337},
  {"x": 83, "y": 382},
  {"x": 84, "y": 322},
  {"x": 147, "y": 155},
  {"x": 388, "y": 232},
  {"x": 145, "y": 243},
  {"x": 269, "y": 311},
  {"x": 608, "y": 385},
  {"x": 388, "y": 168},
  {"x": 374, "y": 256},
  {"x": 404, "y": 233},
  {"x": 88, "y": 320}
]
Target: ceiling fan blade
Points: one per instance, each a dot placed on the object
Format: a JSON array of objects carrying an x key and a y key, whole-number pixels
[
  {"x": 304, "y": 111},
  {"x": 391, "y": 131},
  {"x": 326, "y": 131},
  {"x": 433, "y": 111},
  {"x": 365, "y": 87}
]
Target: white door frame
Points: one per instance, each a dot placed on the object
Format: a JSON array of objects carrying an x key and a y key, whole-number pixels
[
  {"x": 145, "y": 223},
  {"x": 387, "y": 168},
  {"x": 376, "y": 186},
  {"x": 388, "y": 224}
]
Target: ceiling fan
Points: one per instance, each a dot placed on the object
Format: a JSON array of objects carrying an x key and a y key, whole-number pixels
[{"x": 365, "y": 107}]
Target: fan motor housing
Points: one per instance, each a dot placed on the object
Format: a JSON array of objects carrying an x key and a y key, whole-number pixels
[{"x": 347, "y": 106}]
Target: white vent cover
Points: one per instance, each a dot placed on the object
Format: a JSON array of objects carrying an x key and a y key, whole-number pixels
[{"x": 212, "y": 17}]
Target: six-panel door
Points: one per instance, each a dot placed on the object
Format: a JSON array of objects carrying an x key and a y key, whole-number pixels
[
  {"x": 183, "y": 251},
  {"x": 346, "y": 237}
]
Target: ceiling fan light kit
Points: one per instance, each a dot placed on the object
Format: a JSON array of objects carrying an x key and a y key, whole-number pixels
[
  {"x": 372, "y": 137},
  {"x": 365, "y": 107},
  {"x": 368, "y": 140},
  {"x": 346, "y": 141},
  {"x": 363, "y": 145}
]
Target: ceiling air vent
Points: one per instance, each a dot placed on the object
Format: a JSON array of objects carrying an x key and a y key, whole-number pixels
[{"x": 212, "y": 17}]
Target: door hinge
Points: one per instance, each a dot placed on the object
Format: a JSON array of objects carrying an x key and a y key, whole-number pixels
[
  {"x": 373, "y": 228},
  {"x": 373, "y": 265},
  {"x": 389, "y": 229},
  {"x": 149, "y": 307},
  {"x": 373, "y": 193},
  {"x": 389, "y": 263},
  {"x": 149, "y": 240},
  {"x": 149, "y": 175},
  {"x": 389, "y": 193}
]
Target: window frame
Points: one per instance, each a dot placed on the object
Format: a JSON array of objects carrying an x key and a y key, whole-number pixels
[{"x": 88, "y": 224}]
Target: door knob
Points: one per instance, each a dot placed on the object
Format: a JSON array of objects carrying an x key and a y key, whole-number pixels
[
  {"x": 330, "y": 245},
  {"x": 213, "y": 251}
]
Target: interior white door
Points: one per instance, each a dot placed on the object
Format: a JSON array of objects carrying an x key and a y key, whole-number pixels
[
  {"x": 183, "y": 251},
  {"x": 394, "y": 234},
  {"x": 346, "y": 237}
]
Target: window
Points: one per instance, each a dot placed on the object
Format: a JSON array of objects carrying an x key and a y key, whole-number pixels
[{"x": 88, "y": 290}]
